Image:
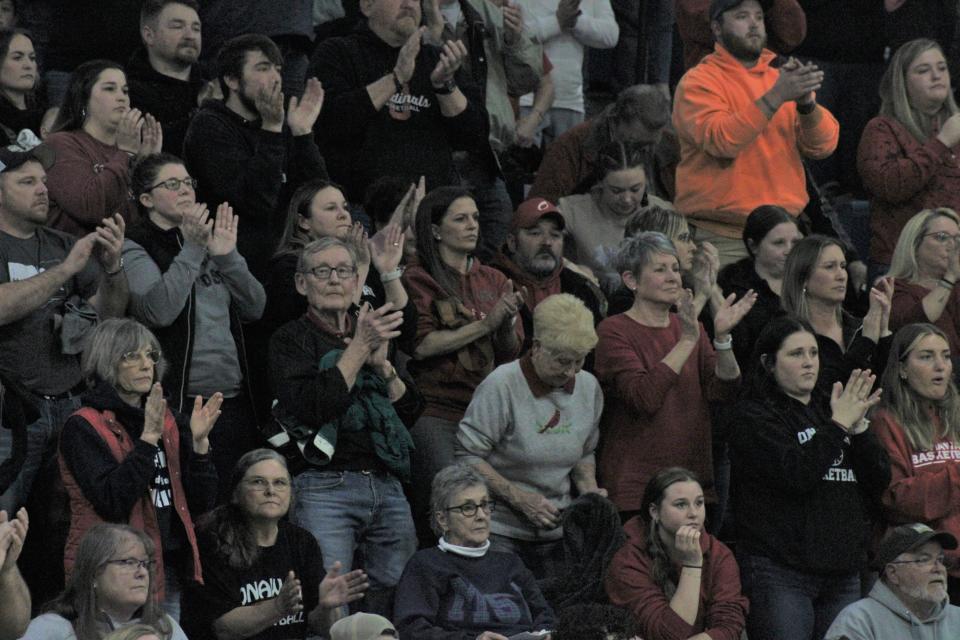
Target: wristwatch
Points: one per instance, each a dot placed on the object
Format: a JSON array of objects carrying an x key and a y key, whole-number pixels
[
  {"x": 119, "y": 269},
  {"x": 446, "y": 88}
]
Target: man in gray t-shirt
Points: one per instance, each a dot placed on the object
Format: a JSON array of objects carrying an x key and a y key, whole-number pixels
[{"x": 43, "y": 273}]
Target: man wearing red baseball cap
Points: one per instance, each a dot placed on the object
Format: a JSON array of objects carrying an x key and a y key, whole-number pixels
[{"x": 532, "y": 257}]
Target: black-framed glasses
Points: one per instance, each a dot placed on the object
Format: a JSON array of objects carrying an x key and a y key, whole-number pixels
[
  {"x": 130, "y": 357},
  {"x": 942, "y": 237},
  {"x": 469, "y": 509},
  {"x": 324, "y": 272},
  {"x": 173, "y": 184},
  {"x": 132, "y": 564},
  {"x": 924, "y": 561}
]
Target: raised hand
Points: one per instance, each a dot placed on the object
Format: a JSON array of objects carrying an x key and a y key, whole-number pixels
[
  {"x": 154, "y": 412},
  {"x": 407, "y": 57},
  {"x": 512, "y": 22},
  {"x": 568, "y": 11},
  {"x": 223, "y": 239},
  {"x": 203, "y": 417},
  {"x": 949, "y": 133},
  {"x": 687, "y": 543},
  {"x": 357, "y": 236},
  {"x": 196, "y": 225},
  {"x": 798, "y": 81},
  {"x": 128, "y": 131},
  {"x": 876, "y": 321},
  {"x": 850, "y": 403},
  {"x": 337, "y": 590},
  {"x": 269, "y": 103},
  {"x": 13, "y": 534},
  {"x": 375, "y": 326},
  {"x": 303, "y": 113},
  {"x": 687, "y": 314},
  {"x": 290, "y": 598},
  {"x": 109, "y": 242},
  {"x": 706, "y": 267},
  {"x": 151, "y": 136},
  {"x": 506, "y": 307},
  {"x": 80, "y": 253},
  {"x": 730, "y": 314},
  {"x": 452, "y": 55},
  {"x": 386, "y": 247}
]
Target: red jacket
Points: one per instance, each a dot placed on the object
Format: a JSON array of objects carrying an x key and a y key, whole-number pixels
[
  {"x": 903, "y": 176},
  {"x": 924, "y": 485},
  {"x": 722, "y": 610},
  {"x": 143, "y": 516}
]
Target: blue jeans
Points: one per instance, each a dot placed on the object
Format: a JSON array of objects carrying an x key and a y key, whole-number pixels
[
  {"x": 363, "y": 514},
  {"x": 786, "y": 604},
  {"x": 43, "y": 437}
]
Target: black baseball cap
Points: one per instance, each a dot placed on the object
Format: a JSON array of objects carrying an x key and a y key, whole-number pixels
[
  {"x": 906, "y": 537},
  {"x": 26, "y": 147},
  {"x": 719, "y": 6}
]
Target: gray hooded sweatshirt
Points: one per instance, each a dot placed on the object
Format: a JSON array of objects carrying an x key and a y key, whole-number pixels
[{"x": 882, "y": 616}]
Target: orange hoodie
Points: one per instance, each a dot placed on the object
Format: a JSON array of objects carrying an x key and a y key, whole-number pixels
[{"x": 732, "y": 159}]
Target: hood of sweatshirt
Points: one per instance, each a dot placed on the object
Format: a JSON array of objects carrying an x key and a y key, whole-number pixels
[
  {"x": 882, "y": 594},
  {"x": 539, "y": 288},
  {"x": 724, "y": 60},
  {"x": 103, "y": 397}
]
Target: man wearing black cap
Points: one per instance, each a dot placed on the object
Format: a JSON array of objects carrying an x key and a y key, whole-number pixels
[
  {"x": 533, "y": 258},
  {"x": 744, "y": 126},
  {"x": 50, "y": 291},
  {"x": 910, "y": 599}
]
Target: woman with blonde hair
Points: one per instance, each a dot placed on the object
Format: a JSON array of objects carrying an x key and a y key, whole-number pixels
[
  {"x": 919, "y": 425},
  {"x": 531, "y": 431},
  {"x": 907, "y": 154},
  {"x": 814, "y": 287},
  {"x": 926, "y": 266}
]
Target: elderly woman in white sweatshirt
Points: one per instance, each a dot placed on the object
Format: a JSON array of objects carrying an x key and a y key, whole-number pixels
[{"x": 531, "y": 431}]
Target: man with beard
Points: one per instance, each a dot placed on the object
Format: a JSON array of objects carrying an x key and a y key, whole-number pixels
[
  {"x": 248, "y": 149},
  {"x": 163, "y": 75},
  {"x": 910, "y": 599},
  {"x": 744, "y": 127},
  {"x": 533, "y": 258},
  {"x": 396, "y": 107}
]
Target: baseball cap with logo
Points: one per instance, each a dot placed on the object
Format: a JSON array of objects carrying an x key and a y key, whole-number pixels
[
  {"x": 719, "y": 6},
  {"x": 362, "y": 626},
  {"x": 27, "y": 146},
  {"x": 530, "y": 211},
  {"x": 907, "y": 537}
]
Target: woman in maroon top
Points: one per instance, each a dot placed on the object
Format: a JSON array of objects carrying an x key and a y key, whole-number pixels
[
  {"x": 907, "y": 154},
  {"x": 926, "y": 267},
  {"x": 659, "y": 371},
  {"x": 676, "y": 579},
  {"x": 467, "y": 325},
  {"x": 96, "y": 137}
]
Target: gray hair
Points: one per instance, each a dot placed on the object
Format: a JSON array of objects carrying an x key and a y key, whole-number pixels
[
  {"x": 636, "y": 252},
  {"x": 110, "y": 340},
  {"x": 448, "y": 482},
  {"x": 323, "y": 244}
]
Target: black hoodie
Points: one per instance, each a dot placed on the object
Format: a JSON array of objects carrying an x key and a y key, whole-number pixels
[
  {"x": 171, "y": 101},
  {"x": 408, "y": 137},
  {"x": 804, "y": 492}
]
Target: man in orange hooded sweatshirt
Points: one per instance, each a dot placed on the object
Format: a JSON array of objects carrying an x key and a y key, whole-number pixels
[{"x": 743, "y": 126}]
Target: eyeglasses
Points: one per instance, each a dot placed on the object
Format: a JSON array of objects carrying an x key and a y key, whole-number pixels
[
  {"x": 173, "y": 184},
  {"x": 469, "y": 509},
  {"x": 260, "y": 485},
  {"x": 132, "y": 564},
  {"x": 924, "y": 561},
  {"x": 687, "y": 236},
  {"x": 131, "y": 357},
  {"x": 324, "y": 273},
  {"x": 942, "y": 237}
]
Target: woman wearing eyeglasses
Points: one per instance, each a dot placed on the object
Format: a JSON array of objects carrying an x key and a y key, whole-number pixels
[
  {"x": 114, "y": 585},
  {"x": 126, "y": 457},
  {"x": 262, "y": 575},
  {"x": 926, "y": 266},
  {"x": 190, "y": 285},
  {"x": 919, "y": 425},
  {"x": 461, "y": 589}
]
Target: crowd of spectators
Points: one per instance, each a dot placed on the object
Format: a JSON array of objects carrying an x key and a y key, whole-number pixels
[{"x": 345, "y": 319}]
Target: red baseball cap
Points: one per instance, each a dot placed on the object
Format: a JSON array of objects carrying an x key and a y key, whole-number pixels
[{"x": 531, "y": 211}]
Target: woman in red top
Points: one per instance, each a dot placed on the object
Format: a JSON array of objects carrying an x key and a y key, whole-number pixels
[
  {"x": 659, "y": 370},
  {"x": 919, "y": 425},
  {"x": 926, "y": 265},
  {"x": 907, "y": 154},
  {"x": 467, "y": 325},
  {"x": 676, "y": 579}
]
